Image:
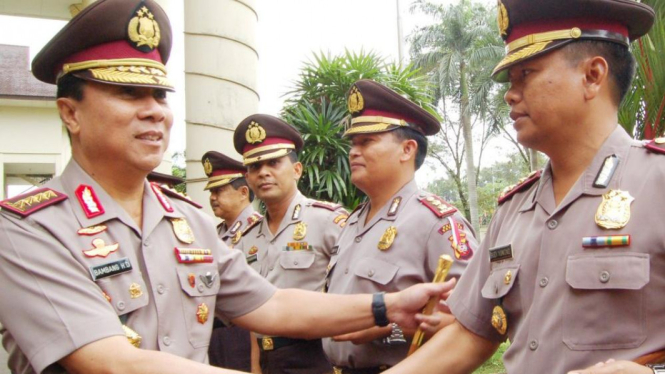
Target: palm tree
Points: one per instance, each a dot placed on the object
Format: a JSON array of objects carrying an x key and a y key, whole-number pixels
[
  {"x": 458, "y": 54},
  {"x": 642, "y": 112}
]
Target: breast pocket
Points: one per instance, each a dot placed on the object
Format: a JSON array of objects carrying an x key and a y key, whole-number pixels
[
  {"x": 376, "y": 270},
  {"x": 606, "y": 306},
  {"x": 200, "y": 285},
  {"x": 296, "y": 260},
  {"x": 126, "y": 292},
  {"x": 500, "y": 287}
]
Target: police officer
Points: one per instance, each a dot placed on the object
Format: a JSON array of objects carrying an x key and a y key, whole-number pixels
[
  {"x": 292, "y": 246},
  {"x": 230, "y": 200},
  {"x": 396, "y": 239},
  {"x": 99, "y": 261},
  {"x": 571, "y": 269}
]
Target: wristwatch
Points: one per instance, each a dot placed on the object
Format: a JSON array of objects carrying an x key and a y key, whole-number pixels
[
  {"x": 379, "y": 309},
  {"x": 396, "y": 336},
  {"x": 657, "y": 369}
]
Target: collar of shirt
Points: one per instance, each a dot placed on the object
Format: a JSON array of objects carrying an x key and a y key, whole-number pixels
[
  {"x": 287, "y": 220},
  {"x": 405, "y": 193}
]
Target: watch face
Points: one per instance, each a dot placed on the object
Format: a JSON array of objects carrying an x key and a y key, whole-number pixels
[{"x": 658, "y": 369}]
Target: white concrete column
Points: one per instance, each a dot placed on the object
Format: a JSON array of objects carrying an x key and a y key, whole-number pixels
[
  {"x": 3, "y": 191},
  {"x": 221, "y": 65}
]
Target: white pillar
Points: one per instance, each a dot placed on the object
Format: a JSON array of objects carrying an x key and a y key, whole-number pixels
[{"x": 221, "y": 64}]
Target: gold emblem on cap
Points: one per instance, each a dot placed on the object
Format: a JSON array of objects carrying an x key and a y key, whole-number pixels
[
  {"x": 135, "y": 291},
  {"x": 614, "y": 210},
  {"x": 504, "y": 21},
  {"x": 143, "y": 29},
  {"x": 202, "y": 313},
  {"x": 255, "y": 133},
  {"x": 300, "y": 231},
  {"x": 182, "y": 230},
  {"x": 355, "y": 102},
  {"x": 499, "y": 320},
  {"x": 207, "y": 167},
  {"x": 387, "y": 238}
]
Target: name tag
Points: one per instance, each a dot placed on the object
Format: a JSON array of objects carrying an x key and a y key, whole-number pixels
[
  {"x": 501, "y": 253},
  {"x": 110, "y": 269}
]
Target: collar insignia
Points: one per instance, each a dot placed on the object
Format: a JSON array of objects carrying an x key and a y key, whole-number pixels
[{"x": 89, "y": 201}]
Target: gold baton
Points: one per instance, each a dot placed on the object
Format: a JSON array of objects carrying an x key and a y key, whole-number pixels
[{"x": 445, "y": 262}]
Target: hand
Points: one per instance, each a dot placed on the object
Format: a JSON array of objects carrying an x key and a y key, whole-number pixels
[
  {"x": 404, "y": 305},
  {"x": 434, "y": 322},
  {"x": 364, "y": 336},
  {"x": 614, "y": 367}
]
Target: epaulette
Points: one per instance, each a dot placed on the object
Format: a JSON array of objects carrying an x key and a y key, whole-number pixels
[
  {"x": 178, "y": 195},
  {"x": 252, "y": 225},
  {"x": 521, "y": 185},
  {"x": 30, "y": 202},
  {"x": 326, "y": 205},
  {"x": 657, "y": 145},
  {"x": 254, "y": 217},
  {"x": 437, "y": 205}
]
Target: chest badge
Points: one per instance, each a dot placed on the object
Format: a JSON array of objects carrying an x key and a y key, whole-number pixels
[
  {"x": 614, "y": 210},
  {"x": 236, "y": 237},
  {"x": 92, "y": 230},
  {"x": 100, "y": 249},
  {"x": 208, "y": 279},
  {"x": 202, "y": 313},
  {"x": 300, "y": 231},
  {"x": 182, "y": 230},
  {"x": 387, "y": 238},
  {"x": 135, "y": 291}
]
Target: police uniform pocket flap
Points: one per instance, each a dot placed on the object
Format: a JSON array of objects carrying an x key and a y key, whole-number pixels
[
  {"x": 376, "y": 270},
  {"x": 623, "y": 271},
  {"x": 200, "y": 280},
  {"x": 297, "y": 259},
  {"x": 500, "y": 281},
  {"x": 125, "y": 292}
]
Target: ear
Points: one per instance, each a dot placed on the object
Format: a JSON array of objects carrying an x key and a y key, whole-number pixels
[
  {"x": 297, "y": 170},
  {"x": 67, "y": 108},
  {"x": 409, "y": 150},
  {"x": 244, "y": 191},
  {"x": 596, "y": 71}
]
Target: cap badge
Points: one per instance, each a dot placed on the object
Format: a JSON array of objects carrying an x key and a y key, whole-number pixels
[
  {"x": 356, "y": 102},
  {"x": 255, "y": 133},
  {"x": 300, "y": 231},
  {"x": 614, "y": 210},
  {"x": 144, "y": 30},
  {"x": 504, "y": 21},
  {"x": 387, "y": 238},
  {"x": 207, "y": 167}
]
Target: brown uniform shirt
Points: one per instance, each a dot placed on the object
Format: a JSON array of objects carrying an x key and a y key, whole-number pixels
[
  {"x": 567, "y": 306},
  {"x": 359, "y": 266},
  {"x": 62, "y": 298},
  {"x": 228, "y": 232}
]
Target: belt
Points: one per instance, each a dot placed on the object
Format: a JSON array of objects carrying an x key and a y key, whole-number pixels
[
  {"x": 372, "y": 370},
  {"x": 268, "y": 343}
]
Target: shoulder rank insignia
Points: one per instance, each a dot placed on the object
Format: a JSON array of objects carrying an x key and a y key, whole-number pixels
[
  {"x": 326, "y": 205},
  {"x": 254, "y": 223},
  {"x": 89, "y": 201},
  {"x": 657, "y": 145},
  {"x": 28, "y": 203},
  {"x": 437, "y": 205},
  {"x": 254, "y": 217},
  {"x": 521, "y": 185},
  {"x": 178, "y": 195}
]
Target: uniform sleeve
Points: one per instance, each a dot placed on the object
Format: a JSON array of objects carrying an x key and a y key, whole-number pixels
[
  {"x": 50, "y": 307},
  {"x": 467, "y": 304},
  {"x": 333, "y": 224},
  {"x": 242, "y": 288}
]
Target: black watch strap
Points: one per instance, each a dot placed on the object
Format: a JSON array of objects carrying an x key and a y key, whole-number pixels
[{"x": 379, "y": 309}]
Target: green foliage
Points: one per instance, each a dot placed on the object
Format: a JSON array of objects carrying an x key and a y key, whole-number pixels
[
  {"x": 317, "y": 108},
  {"x": 495, "y": 364},
  {"x": 642, "y": 112},
  {"x": 178, "y": 169}
]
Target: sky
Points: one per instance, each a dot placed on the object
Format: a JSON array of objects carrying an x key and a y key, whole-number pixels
[{"x": 288, "y": 33}]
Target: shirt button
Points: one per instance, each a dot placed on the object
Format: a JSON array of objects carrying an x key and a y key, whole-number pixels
[
  {"x": 270, "y": 269},
  {"x": 167, "y": 340},
  {"x": 359, "y": 239},
  {"x": 552, "y": 224},
  {"x": 604, "y": 276},
  {"x": 544, "y": 281},
  {"x": 295, "y": 262},
  {"x": 533, "y": 345},
  {"x": 200, "y": 287},
  {"x": 346, "y": 271},
  {"x": 146, "y": 243},
  {"x": 120, "y": 305},
  {"x": 370, "y": 273},
  {"x": 160, "y": 289}
]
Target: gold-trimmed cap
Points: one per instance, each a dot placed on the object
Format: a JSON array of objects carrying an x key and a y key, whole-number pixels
[
  {"x": 376, "y": 108},
  {"x": 262, "y": 137},
  {"x": 120, "y": 42},
  {"x": 533, "y": 27},
  {"x": 221, "y": 169}
]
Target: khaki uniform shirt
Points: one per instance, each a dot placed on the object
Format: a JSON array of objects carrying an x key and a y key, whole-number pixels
[
  {"x": 569, "y": 307},
  {"x": 230, "y": 234},
  {"x": 63, "y": 288},
  {"x": 359, "y": 266},
  {"x": 289, "y": 259}
]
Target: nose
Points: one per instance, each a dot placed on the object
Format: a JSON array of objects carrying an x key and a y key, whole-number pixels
[
  {"x": 512, "y": 96},
  {"x": 353, "y": 152},
  {"x": 154, "y": 109}
]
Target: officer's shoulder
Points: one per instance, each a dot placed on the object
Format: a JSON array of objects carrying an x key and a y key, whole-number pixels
[
  {"x": 325, "y": 205},
  {"x": 521, "y": 185},
  {"x": 655, "y": 146},
  {"x": 33, "y": 201},
  {"x": 436, "y": 204},
  {"x": 175, "y": 194},
  {"x": 256, "y": 219}
]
